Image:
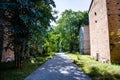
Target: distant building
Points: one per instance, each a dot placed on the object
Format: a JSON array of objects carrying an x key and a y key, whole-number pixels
[
  {"x": 104, "y": 16},
  {"x": 84, "y": 40}
]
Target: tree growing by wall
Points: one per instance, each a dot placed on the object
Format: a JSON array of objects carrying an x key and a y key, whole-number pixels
[
  {"x": 66, "y": 33},
  {"x": 29, "y": 20}
]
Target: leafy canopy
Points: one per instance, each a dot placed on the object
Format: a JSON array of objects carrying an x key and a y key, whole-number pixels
[
  {"x": 66, "y": 33},
  {"x": 28, "y": 22}
]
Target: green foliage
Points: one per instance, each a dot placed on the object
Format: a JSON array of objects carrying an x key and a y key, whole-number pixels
[
  {"x": 78, "y": 55},
  {"x": 52, "y": 43},
  {"x": 29, "y": 21},
  {"x": 9, "y": 72},
  {"x": 96, "y": 70},
  {"x": 65, "y": 36}
]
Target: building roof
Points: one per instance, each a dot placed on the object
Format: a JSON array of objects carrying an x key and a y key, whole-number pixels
[{"x": 90, "y": 5}]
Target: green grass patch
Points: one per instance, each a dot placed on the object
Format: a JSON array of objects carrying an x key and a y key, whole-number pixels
[
  {"x": 9, "y": 72},
  {"x": 96, "y": 70}
]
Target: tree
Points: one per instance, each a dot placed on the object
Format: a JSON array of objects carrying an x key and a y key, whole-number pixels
[
  {"x": 68, "y": 29},
  {"x": 28, "y": 19}
]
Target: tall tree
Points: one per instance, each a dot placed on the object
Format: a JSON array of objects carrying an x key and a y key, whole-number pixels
[
  {"x": 28, "y": 19},
  {"x": 68, "y": 29}
]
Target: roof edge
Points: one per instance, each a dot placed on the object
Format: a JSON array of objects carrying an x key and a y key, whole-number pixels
[{"x": 90, "y": 6}]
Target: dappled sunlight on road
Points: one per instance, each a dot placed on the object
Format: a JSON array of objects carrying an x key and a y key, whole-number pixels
[{"x": 58, "y": 68}]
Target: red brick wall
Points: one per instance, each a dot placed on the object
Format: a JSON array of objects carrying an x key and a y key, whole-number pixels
[
  {"x": 113, "y": 7},
  {"x": 86, "y": 40},
  {"x": 6, "y": 54},
  {"x": 104, "y": 18}
]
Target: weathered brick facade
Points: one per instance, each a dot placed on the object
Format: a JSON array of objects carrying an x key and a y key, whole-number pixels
[
  {"x": 7, "y": 54},
  {"x": 104, "y": 16},
  {"x": 84, "y": 40}
]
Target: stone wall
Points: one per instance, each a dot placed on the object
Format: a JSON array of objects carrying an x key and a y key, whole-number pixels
[
  {"x": 86, "y": 40},
  {"x": 7, "y": 53},
  {"x": 81, "y": 31},
  {"x": 99, "y": 34},
  {"x": 113, "y": 7}
]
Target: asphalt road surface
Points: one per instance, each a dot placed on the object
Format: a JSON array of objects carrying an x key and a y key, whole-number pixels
[{"x": 58, "y": 68}]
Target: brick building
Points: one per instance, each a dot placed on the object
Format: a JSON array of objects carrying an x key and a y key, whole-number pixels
[
  {"x": 6, "y": 55},
  {"x": 104, "y": 16},
  {"x": 84, "y": 40},
  {"x": 6, "y": 52}
]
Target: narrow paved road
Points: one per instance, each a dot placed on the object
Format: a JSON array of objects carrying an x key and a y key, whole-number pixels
[{"x": 58, "y": 68}]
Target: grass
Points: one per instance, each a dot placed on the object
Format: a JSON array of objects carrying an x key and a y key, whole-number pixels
[
  {"x": 9, "y": 72},
  {"x": 96, "y": 70}
]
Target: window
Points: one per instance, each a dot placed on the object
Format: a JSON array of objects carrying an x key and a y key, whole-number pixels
[
  {"x": 95, "y": 13},
  {"x": 108, "y": 14},
  {"x": 117, "y": 3},
  {"x": 95, "y": 21}
]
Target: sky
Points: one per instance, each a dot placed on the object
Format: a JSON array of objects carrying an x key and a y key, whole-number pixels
[{"x": 75, "y": 5}]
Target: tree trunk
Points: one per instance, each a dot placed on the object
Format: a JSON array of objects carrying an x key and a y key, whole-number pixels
[
  {"x": 1, "y": 40},
  {"x": 18, "y": 56},
  {"x": 18, "y": 61}
]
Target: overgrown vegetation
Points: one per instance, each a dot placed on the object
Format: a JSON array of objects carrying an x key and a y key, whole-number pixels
[
  {"x": 30, "y": 36},
  {"x": 65, "y": 35},
  {"x": 96, "y": 70},
  {"x": 27, "y": 22},
  {"x": 9, "y": 72}
]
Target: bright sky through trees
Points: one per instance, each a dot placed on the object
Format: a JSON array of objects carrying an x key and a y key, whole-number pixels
[{"x": 75, "y": 5}]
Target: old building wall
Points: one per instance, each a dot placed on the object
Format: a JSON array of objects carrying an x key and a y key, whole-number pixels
[
  {"x": 7, "y": 53},
  {"x": 86, "y": 40},
  {"x": 113, "y": 7},
  {"x": 99, "y": 35},
  {"x": 81, "y": 46}
]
